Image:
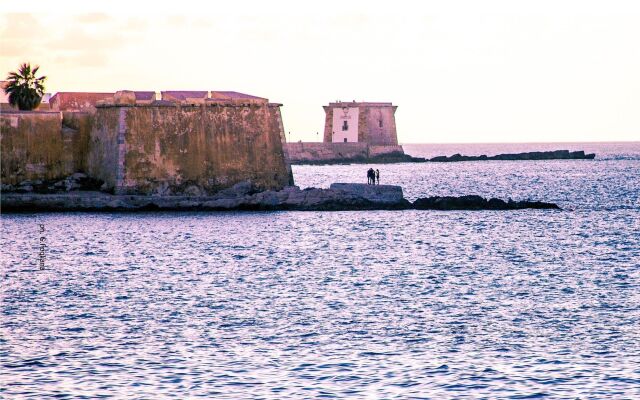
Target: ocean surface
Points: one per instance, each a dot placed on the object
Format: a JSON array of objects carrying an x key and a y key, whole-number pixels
[{"x": 376, "y": 304}]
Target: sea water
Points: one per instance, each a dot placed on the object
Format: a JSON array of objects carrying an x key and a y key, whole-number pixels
[{"x": 365, "y": 304}]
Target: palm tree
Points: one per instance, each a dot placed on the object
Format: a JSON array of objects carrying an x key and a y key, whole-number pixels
[{"x": 24, "y": 89}]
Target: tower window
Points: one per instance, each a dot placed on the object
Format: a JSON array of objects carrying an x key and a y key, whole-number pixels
[
  {"x": 345, "y": 126},
  {"x": 345, "y": 140},
  {"x": 380, "y": 123}
]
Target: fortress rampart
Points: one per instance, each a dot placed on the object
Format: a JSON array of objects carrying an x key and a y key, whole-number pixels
[
  {"x": 143, "y": 146},
  {"x": 327, "y": 153}
]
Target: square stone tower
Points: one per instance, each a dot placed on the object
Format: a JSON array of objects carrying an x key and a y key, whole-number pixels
[{"x": 360, "y": 122}]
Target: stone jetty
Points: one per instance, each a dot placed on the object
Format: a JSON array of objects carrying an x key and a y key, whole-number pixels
[{"x": 243, "y": 196}]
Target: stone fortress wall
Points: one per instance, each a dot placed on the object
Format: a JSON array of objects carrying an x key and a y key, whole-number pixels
[
  {"x": 318, "y": 152},
  {"x": 194, "y": 143}
]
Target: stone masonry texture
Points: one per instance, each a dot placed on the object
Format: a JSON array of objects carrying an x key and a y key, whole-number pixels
[
  {"x": 160, "y": 148},
  {"x": 193, "y": 150}
]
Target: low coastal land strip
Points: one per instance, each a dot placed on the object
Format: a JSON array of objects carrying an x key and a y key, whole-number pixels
[
  {"x": 401, "y": 157},
  {"x": 243, "y": 196}
]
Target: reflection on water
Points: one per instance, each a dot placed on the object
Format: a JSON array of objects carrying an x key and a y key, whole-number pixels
[{"x": 337, "y": 304}]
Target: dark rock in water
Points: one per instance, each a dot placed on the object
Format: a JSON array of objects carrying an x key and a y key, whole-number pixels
[
  {"x": 391, "y": 158},
  {"x": 533, "y": 155},
  {"x": 476, "y": 203}
]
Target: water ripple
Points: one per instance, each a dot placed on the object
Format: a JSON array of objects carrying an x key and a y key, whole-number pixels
[{"x": 402, "y": 304}]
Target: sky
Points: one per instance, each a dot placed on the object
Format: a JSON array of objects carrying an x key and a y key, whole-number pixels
[{"x": 460, "y": 71}]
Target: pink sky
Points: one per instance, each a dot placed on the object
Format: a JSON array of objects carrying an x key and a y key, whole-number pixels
[{"x": 501, "y": 71}]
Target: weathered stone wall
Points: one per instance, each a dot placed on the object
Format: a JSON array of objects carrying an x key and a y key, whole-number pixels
[
  {"x": 375, "y": 134},
  {"x": 328, "y": 124},
  {"x": 33, "y": 147},
  {"x": 77, "y": 101},
  {"x": 386, "y": 149},
  {"x": 102, "y": 160},
  {"x": 194, "y": 150},
  {"x": 376, "y": 122},
  {"x": 316, "y": 152},
  {"x": 43, "y": 145},
  {"x": 76, "y": 131},
  {"x": 283, "y": 141}
]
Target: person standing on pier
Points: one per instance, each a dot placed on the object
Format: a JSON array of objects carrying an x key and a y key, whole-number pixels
[
  {"x": 371, "y": 177},
  {"x": 378, "y": 175}
]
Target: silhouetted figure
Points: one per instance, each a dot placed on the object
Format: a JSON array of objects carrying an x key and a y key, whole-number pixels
[
  {"x": 378, "y": 176},
  {"x": 371, "y": 177}
]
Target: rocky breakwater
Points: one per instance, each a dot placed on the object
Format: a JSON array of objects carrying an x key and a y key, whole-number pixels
[
  {"x": 243, "y": 196},
  {"x": 401, "y": 157},
  {"x": 532, "y": 155},
  {"x": 477, "y": 203}
]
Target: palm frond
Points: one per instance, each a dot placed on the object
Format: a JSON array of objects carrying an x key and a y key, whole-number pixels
[{"x": 24, "y": 88}]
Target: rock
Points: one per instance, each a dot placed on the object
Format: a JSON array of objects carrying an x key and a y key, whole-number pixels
[
  {"x": 162, "y": 189},
  {"x": 496, "y": 204},
  {"x": 193, "y": 190},
  {"x": 268, "y": 199},
  {"x": 78, "y": 175},
  {"x": 519, "y": 205},
  {"x": 386, "y": 194},
  {"x": 533, "y": 155},
  {"x": 6, "y": 188},
  {"x": 476, "y": 203},
  {"x": 187, "y": 204},
  {"x": 223, "y": 204},
  {"x": 342, "y": 197},
  {"x": 329, "y": 200},
  {"x": 24, "y": 188},
  {"x": 239, "y": 189},
  {"x": 71, "y": 184}
]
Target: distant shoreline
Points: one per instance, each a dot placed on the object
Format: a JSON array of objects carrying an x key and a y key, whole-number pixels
[{"x": 398, "y": 157}]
